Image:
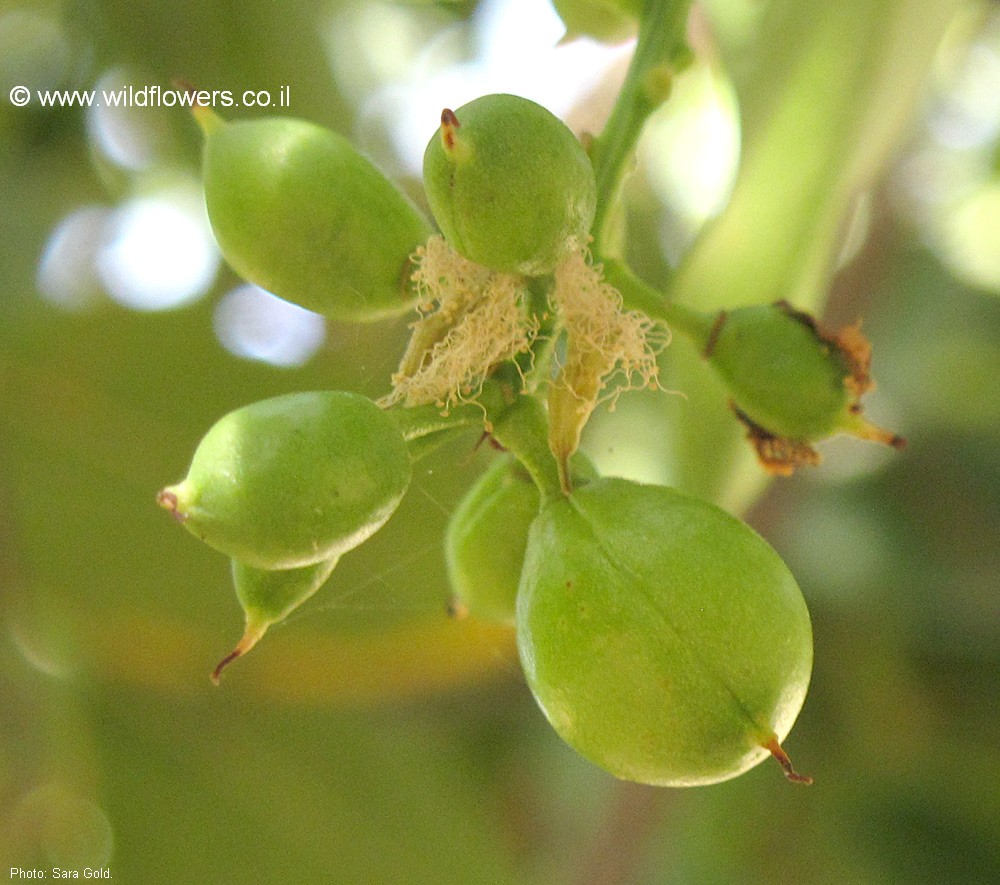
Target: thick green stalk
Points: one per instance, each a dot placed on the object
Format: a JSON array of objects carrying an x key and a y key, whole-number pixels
[
  {"x": 639, "y": 295},
  {"x": 519, "y": 423},
  {"x": 661, "y": 51}
]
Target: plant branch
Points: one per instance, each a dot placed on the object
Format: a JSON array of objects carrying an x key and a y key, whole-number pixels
[
  {"x": 660, "y": 52},
  {"x": 639, "y": 295}
]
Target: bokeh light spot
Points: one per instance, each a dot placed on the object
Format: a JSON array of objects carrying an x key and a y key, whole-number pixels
[
  {"x": 128, "y": 136},
  {"x": 66, "y": 274},
  {"x": 256, "y": 325},
  {"x": 161, "y": 253}
]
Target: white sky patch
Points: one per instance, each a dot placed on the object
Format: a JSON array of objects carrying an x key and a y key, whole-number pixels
[{"x": 516, "y": 52}]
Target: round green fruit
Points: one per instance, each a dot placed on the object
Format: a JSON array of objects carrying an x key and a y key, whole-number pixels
[
  {"x": 791, "y": 383},
  {"x": 780, "y": 373},
  {"x": 298, "y": 211},
  {"x": 510, "y": 186},
  {"x": 486, "y": 539},
  {"x": 294, "y": 480},
  {"x": 664, "y": 639}
]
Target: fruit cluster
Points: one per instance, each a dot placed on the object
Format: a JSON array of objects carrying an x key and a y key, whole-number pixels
[{"x": 663, "y": 638}]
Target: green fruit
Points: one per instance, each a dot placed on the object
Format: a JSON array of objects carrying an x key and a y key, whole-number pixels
[
  {"x": 487, "y": 537},
  {"x": 268, "y": 597},
  {"x": 663, "y": 638},
  {"x": 294, "y": 480},
  {"x": 791, "y": 383},
  {"x": 510, "y": 186},
  {"x": 298, "y": 211},
  {"x": 780, "y": 373}
]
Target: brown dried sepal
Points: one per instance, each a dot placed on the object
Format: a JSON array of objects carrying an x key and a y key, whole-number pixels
[
  {"x": 777, "y": 455},
  {"x": 856, "y": 352},
  {"x": 850, "y": 343}
]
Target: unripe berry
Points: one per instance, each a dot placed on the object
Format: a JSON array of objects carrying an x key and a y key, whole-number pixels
[
  {"x": 298, "y": 211},
  {"x": 663, "y": 638},
  {"x": 791, "y": 383},
  {"x": 510, "y": 186},
  {"x": 294, "y": 480},
  {"x": 487, "y": 537}
]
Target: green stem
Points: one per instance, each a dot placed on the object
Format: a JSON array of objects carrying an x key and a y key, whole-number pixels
[
  {"x": 417, "y": 422},
  {"x": 515, "y": 420},
  {"x": 426, "y": 428},
  {"x": 660, "y": 51},
  {"x": 519, "y": 423},
  {"x": 638, "y": 295}
]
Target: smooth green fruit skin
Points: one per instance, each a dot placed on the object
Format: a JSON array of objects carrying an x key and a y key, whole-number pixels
[
  {"x": 780, "y": 374},
  {"x": 294, "y": 480},
  {"x": 664, "y": 639},
  {"x": 268, "y": 597},
  {"x": 486, "y": 540},
  {"x": 487, "y": 537},
  {"x": 517, "y": 193},
  {"x": 298, "y": 211}
]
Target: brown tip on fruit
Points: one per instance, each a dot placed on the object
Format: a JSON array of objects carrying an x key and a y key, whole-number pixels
[
  {"x": 449, "y": 126},
  {"x": 774, "y": 748},
  {"x": 777, "y": 455},
  {"x": 251, "y": 636},
  {"x": 801, "y": 316},
  {"x": 204, "y": 116},
  {"x": 167, "y": 499}
]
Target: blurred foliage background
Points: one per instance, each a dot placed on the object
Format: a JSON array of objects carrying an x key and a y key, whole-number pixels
[{"x": 845, "y": 156}]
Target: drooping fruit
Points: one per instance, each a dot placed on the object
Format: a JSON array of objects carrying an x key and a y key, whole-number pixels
[
  {"x": 294, "y": 480},
  {"x": 510, "y": 186},
  {"x": 268, "y": 597},
  {"x": 298, "y": 211},
  {"x": 488, "y": 534},
  {"x": 664, "y": 639},
  {"x": 792, "y": 383}
]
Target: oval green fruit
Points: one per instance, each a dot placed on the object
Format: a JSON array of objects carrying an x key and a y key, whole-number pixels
[
  {"x": 298, "y": 211},
  {"x": 487, "y": 537},
  {"x": 781, "y": 374},
  {"x": 294, "y": 480},
  {"x": 791, "y": 383},
  {"x": 510, "y": 186},
  {"x": 664, "y": 639}
]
